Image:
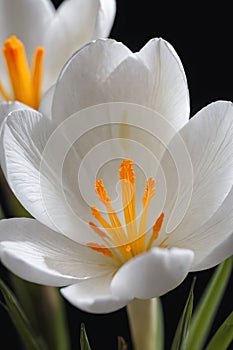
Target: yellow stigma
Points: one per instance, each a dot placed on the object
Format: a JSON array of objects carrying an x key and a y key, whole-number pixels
[
  {"x": 25, "y": 80},
  {"x": 119, "y": 243}
]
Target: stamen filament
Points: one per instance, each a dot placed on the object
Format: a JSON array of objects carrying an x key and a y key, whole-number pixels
[
  {"x": 156, "y": 229},
  {"x": 162, "y": 244},
  {"x": 18, "y": 69},
  {"x": 99, "y": 232},
  {"x": 146, "y": 200},
  {"x": 100, "y": 248},
  {"x": 4, "y": 93},
  {"x": 111, "y": 231},
  {"x": 37, "y": 73},
  {"x": 127, "y": 177},
  {"x": 115, "y": 222},
  {"x": 26, "y": 82},
  {"x": 119, "y": 245}
]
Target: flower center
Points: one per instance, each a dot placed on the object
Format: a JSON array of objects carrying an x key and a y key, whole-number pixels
[
  {"x": 25, "y": 80},
  {"x": 120, "y": 243}
]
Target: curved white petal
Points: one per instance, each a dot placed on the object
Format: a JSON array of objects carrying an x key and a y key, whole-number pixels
[
  {"x": 94, "y": 295},
  {"x": 74, "y": 24},
  {"x": 211, "y": 238},
  {"x": 81, "y": 83},
  {"x": 40, "y": 255},
  {"x": 152, "y": 274},
  {"x": 26, "y": 19},
  {"x": 8, "y": 107},
  {"x": 46, "y": 102},
  {"x": 208, "y": 138},
  {"x": 217, "y": 255},
  {"x": 168, "y": 90},
  {"x": 106, "y": 71},
  {"x": 105, "y": 18},
  {"x": 24, "y": 136},
  {"x": 41, "y": 167}
]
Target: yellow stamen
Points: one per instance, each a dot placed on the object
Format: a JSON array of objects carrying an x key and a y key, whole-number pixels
[
  {"x": 26, "y": 82},
  {"x": 112, "y": 232},
  {"x": 99, "y": 232},
  {"x": 162, "y": 244},
  {"x": 4, "y": 93},
  {"x": 127, "y": 177},
  {"x": 115, "y": 222},
  {"x": 100, "y": 249},
  {"x": 146, "y": 200},
  {"x": 156, "y": 229},
  {"x": 37, "y": 74},
  {"x": 101, "y": 191},
  {"x": 121, "y": 245}
]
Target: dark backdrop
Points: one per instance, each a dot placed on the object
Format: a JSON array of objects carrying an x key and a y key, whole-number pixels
[{"x": 203, "y": 39}]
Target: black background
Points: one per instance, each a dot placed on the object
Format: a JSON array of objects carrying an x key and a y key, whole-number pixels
[{"x": 202, "y": 37}]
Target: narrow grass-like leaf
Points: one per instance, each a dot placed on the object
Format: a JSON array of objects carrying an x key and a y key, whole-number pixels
[
  {"x": 224, "y": 335},
  {"x": 47, "y": 315},
  {"x": 204, "y": 315},
  {"x": 19, "y": 319},
  {"x": 83, "y": 339},
  {"x": 183, "y": 325},
  {"x": 122, "y": 344}
]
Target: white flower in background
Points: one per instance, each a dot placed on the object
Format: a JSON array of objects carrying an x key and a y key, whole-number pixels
[
  {"x": 46, "y": 38},
  {"x": 172, "y": 219}
]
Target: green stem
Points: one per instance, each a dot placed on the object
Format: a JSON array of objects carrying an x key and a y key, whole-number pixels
[{"x": 146, "y": 324}]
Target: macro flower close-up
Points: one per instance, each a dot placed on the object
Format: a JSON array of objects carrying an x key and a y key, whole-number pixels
[
  {"x": 37, "y": 40},
  {"x": 163, "y": 222},
  {"x": 116, "y": 174}
]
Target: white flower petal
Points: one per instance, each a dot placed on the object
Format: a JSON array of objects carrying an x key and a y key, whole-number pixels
[
  {"x": 108, "y": 72},
  {"x": 94, "y": 295},
  {"x": 208, "y": 138},
  {"x": 81, "y": 82},
  {"x": 7, "y": 107},
  {"x": 24, "y": 136},
  {"x": 130, "y": 82},
  {"x": 168, "y": 92},
  {"x": 74, "y": 24},
  {"x": 102, "y": 142},
  {"x": 105, "y": 18},
  {"x": 152, "y": 274},
  {"x": 211, "y": 237},
  {"x": 40, "y": 255},
  {"x": 27, "y": 19},
  {"x": 220, "y": 253},
  {"x": 41, "y": 167},
  {"x": 46, "y": 102}
]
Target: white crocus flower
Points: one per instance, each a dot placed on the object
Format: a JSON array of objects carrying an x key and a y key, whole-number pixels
[
  {"x": 46, "y": 37},
  {"x": 107, "y": 250}
]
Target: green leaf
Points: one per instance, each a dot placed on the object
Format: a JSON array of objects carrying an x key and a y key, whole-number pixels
[
  {"x": 183, "y": 325},
  {"x": 46, "y": 315},
  {"x": 224, "y": 335},
  {"x": 122, "y": 344},
  {"x": 208, "y": 305},
  {"x": 56, "y": 329},
  {"x": 83, "y": 339},
  {"x": 19, "y": 319}
]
